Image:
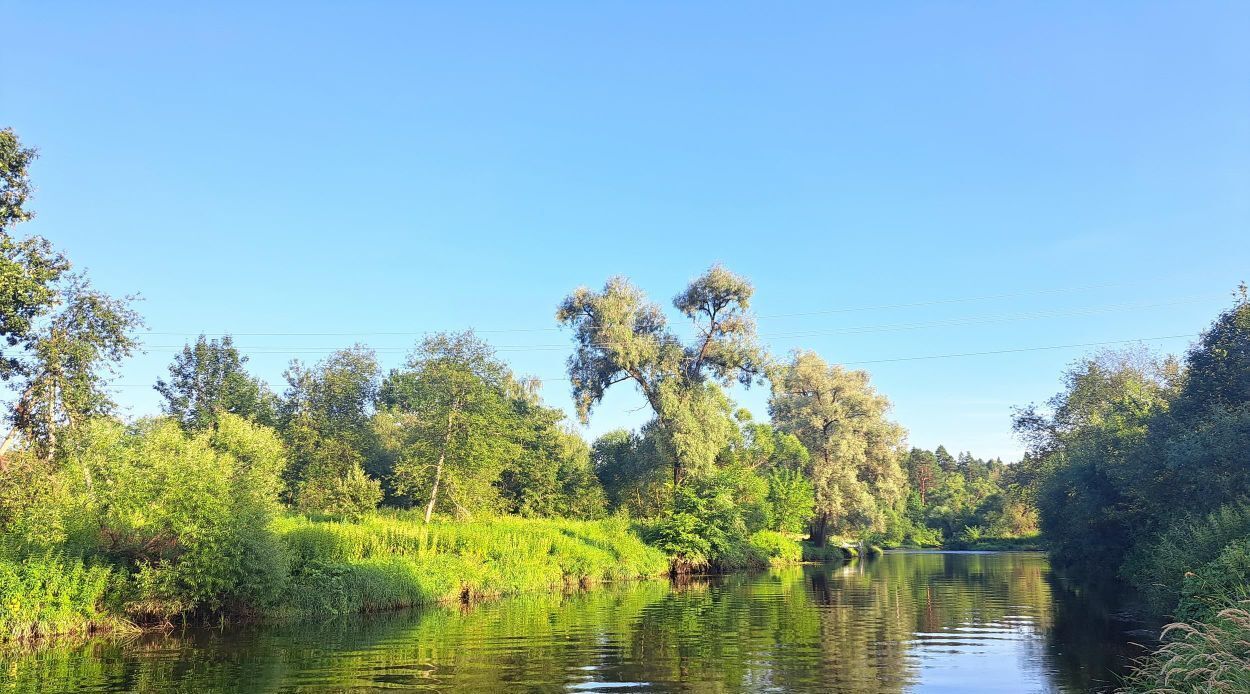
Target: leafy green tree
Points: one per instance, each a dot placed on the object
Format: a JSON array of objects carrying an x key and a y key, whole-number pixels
[
  {"x": 1089, "y": 441},
  {"x": 791, "y": 500},
  {"x": 29, "y": 268},
  {"x": 459, "y": 422},
  {"x": 621, "y": 336},
  {"x": 208, "y": 379},
  {"x": 631, "y": 470},
  {"x": 188, "y": 514},
  {"x": 326, "y": 422},
  {"x": 59, "y": 338},
  {"x": 72, "y": 359},
  {"x": 922, "y": 468},
  {"x": 552, "y": 473},
  {"x": 855, "y": 450}
]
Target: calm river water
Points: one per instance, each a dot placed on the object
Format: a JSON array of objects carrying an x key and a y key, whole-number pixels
[{"x": 908, "y": 621}]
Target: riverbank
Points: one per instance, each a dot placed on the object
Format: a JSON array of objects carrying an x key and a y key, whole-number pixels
[
  {"x": 388, "y": 560},
  {"x": 391, "y": 561}
]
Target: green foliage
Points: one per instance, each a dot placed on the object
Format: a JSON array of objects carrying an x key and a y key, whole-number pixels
[
  {"x": 187, "y": 514},
  {"x": 1158, "y": 568},
  {"x": 326, "y": 422},
  {"x": 47, "y": 594},
  {"x": 777, "y": 548},
  {"x": 1217, "y": 584},
  {"x": 392, "y": 560},
  {"x": 350, "y": 495},
  {"x": 855, "y": 451},
  {"x": 209, "y": 379},
  {"x": 791, "y": 500},
  {"x": 29, "y": 268},
  {"x": 1091, "y": 448},
  {"x": 452, "y": 400},
  {"x": 71, "y": 358},
  {"x": 621, "y": 336},
  {"x": 710, "y": 522}
]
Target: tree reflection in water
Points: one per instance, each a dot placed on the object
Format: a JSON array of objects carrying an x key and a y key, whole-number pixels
[{"x": 906, "y": 621}]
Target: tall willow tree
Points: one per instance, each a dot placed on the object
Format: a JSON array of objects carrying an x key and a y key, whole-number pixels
[
  {"x": 623, "y": 337},
  {"x": 855, "y": 451}
]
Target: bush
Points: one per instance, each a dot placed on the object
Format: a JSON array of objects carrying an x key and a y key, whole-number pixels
[
  {"x": 825, "y": 553},
  {"x": 46, "y": 595},
  {"x": 187, "y": 515},
  {"x": 1217, "y": 584},
  {"x": 777, "y": 548},
  {"x": 1158, "y": 568},
  {"x": 349, "y": 496},
  {"x": 708, "y": 527}
]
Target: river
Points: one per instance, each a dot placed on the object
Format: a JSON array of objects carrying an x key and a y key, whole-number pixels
[{"x": 905, "y": 622}]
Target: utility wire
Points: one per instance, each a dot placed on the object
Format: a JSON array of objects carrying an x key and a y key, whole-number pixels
[
  {"x": 901, "y": 359},
  {"x": 851, "y": 330},
  {"x": 844, "y": 309}
]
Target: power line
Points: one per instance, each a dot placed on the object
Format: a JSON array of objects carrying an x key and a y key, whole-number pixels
[
  {"x": 901, "y": 359},
  {"x": 844, "y": 309},
  {"x": 851, "y": 330},
  {"x": 1021, "y": 349}
]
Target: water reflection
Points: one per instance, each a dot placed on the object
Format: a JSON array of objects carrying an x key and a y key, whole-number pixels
[{"x": 930, "y": 622}]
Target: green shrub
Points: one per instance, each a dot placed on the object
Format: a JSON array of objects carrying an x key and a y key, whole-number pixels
[
  {"x": 791, "y": 499},
  {"x": 187, "y": 515},
  {"x": 824, "y": 553},
  {"x": 350, "y": 495},
  {"x": 777, "y": 548},
  {"x": 1158, "y": 568},
  {"x": 1217, "y": 584},
  {"x": 46, "y": 595}
]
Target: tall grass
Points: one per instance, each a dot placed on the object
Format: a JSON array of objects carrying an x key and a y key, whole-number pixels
[
  {"x": 1203, "y": 657},
  {"x": 46, "y": 595},
  {"x": 394, "y": 560}
]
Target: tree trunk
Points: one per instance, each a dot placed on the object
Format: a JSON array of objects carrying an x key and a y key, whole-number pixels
[
  {"x": 438, "y": 470},
  {"x": 438, "y": 476},
  {"x": 818, "y": 530}
]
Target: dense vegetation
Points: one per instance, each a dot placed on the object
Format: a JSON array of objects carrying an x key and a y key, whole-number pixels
[
  {"x": 445, "y": 478},
  {"x": 1141, "y": 473},
  {"x": 355, "y": 489}
]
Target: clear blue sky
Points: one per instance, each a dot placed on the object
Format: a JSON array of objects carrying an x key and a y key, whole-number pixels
[{"x": 393, "y": 168}]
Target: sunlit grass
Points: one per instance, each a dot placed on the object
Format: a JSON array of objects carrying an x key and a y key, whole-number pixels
[{"x": 393, "y": 560}]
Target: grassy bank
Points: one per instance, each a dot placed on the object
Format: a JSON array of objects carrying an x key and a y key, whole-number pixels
[
  {"x": 390, "y": 561},
  {"x": 52, "y": 595}
]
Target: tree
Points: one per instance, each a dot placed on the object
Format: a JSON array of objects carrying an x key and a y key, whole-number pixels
[
  {"x": 631, "y": 470},
  {"x": 551, "y": 475},
  {"x": 855, "y": 450},
  {"x": 208, "y": 380},
  {"x": 621, "y": 336},
  {"x": 1089, "y": 444},
  {"x": 459, "y": 423},
  {"x": 922, "y": 466},
  {"x": 325, "y": 418},
  {"x": 73, "y": 356},
  {"x": 946, "y": 462},
  {"x": 29, "y": 268}
]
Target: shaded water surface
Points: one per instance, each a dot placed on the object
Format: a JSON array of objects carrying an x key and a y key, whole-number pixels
[{"x": 924, "y": 621}]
